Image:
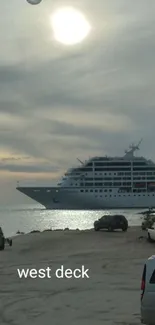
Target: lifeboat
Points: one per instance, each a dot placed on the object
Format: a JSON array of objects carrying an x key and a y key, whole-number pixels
[
  {"x": 139, "y": 185},
  {"x": 151, "y": 184}
]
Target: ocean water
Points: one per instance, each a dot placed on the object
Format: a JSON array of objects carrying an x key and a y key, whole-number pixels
[{"x": 26, "y": 218}]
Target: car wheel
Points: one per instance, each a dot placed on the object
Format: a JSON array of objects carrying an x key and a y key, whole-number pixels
[
  {"x": 124, "y": 228},
  {"x": 96, "y": 229},
  {"x": 2, "y": 245},
  {"x": 10, "y": 242},
  {"x": 149, "y": 238},
  {"x": 143, "y": 227}
]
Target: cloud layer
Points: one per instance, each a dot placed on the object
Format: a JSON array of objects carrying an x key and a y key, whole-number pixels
[{"x": 58, "y": 103}]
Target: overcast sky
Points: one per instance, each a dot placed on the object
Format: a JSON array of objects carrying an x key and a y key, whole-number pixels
[{"x": 58, "y": 103}]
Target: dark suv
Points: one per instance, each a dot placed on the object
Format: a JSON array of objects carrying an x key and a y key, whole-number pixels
[
  {"x": 2, "y": 240},
  {"x": 111, "y": 222}
]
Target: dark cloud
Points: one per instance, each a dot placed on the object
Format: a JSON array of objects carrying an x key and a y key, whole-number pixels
[
  {"x": 28, "y": 168},
  {"x": 10, "y": 74},
  {"x": 5, "y": 159}
]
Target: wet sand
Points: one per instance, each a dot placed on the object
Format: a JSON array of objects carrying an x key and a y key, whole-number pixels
[{"x": 111, "y": 294}]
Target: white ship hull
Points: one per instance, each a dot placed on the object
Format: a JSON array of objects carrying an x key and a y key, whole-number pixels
[
  {"x": 72, "y": 199},
  {"x": 101, "y": 183}
]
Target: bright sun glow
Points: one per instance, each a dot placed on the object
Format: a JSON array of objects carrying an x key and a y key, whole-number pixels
[{"x": 69, "y": 26}]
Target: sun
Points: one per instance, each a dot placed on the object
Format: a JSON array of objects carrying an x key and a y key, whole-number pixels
[{"x": 69, "y": 26}]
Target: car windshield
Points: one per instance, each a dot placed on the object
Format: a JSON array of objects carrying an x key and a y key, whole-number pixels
[
  {"x": 118, "y": 217},
  {"x": 106, "y": 217}
]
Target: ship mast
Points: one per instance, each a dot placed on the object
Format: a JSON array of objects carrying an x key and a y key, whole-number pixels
[
  {"x": 80, "y": 161},
  {"x": 132, "y": 148}
]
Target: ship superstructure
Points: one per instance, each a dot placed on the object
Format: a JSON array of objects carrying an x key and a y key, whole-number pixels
[{"x": 101, "y": 183}]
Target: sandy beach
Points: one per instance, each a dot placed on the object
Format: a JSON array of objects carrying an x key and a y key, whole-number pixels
[{"x": 111, "y": 294}]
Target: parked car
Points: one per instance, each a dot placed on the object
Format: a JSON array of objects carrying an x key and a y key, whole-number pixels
[
  {"x": 151, "y": 233},
  {"x": 111, "y": 222},
  {"x": 148, "y": 292},
  {"x": 4, "y": 240},
  {"x": 148, "y": 222}
]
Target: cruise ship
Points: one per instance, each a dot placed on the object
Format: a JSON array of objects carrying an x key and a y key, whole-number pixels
[{"x": 101, "y": 183}]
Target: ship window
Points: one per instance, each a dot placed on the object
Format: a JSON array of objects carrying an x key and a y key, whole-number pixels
[
  {"x": 144, "y": 168},
  {"x": 107, "y": 184},
  {"x": 89, "y": 184},
  {"x": 139, "y": 163},
  {"x": 100, "y": 190},
  {"x": 105, "y": 190},
  {"x": 99, "y": 169},
  {"x": 86, "y": 169},
  {"x": 152, "y": 279},
  {"x": 96, "y": 190},
  {"x": 89, "y": 164},
  {"x": 98, "y": 184},
  {"x": 108, "y": 164},
  {"x": 91, "y": 190},
  {"x": 81, "y": 191}
]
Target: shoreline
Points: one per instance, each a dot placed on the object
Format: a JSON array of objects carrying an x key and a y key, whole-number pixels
[
  {"x": 111, "y": 294},
  {"x": 37, "y": 231},
  {"x": 29, "y": 220}
]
